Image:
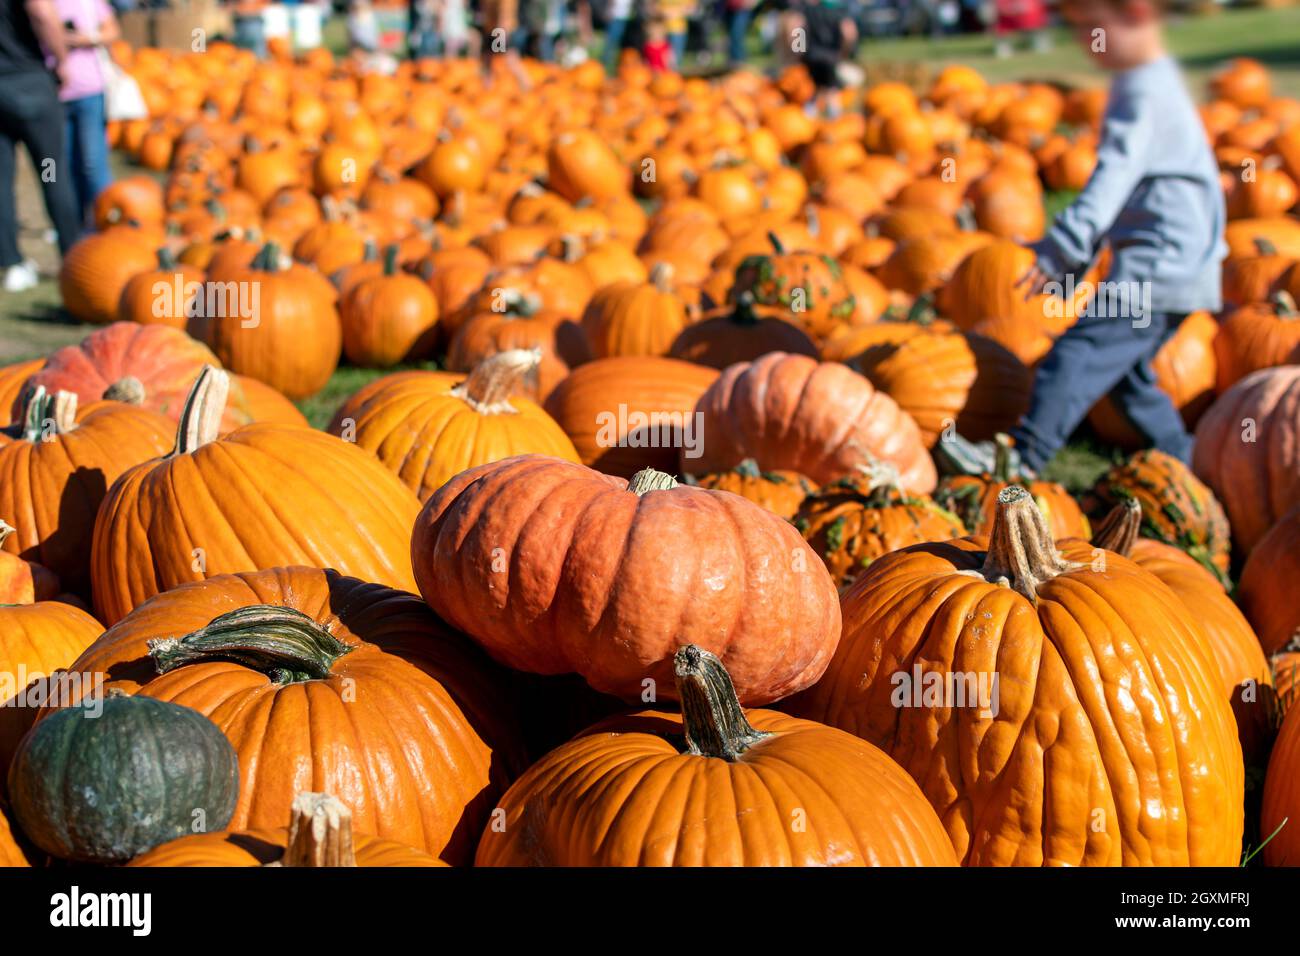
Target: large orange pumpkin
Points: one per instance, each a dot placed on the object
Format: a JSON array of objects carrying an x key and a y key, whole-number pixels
[
  {"x": 555, "y": 568},
  {"x": 1248, "y": 451},
  {"x": 388, "y": 318},
  {"x": 1052, "y": 713},
  {"x": 818, "y": 418},
  {"x": 426, "y": 427},
  {"x": 1267, "y": 586},
  {"x": 264, "y": 496},
  {"x": 97, "y": 269},
  {"x": 325, "y": 682},
  {"x": 1256, "y": 336},
  {"x": 635, "y": 318},
  {"x": 623, "y": 793}
]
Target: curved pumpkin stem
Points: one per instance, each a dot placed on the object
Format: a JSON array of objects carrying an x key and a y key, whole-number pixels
[
  {"x": 47, "y": 413},
  {"x": 280, "y": 642},
  {"x": 882, "y": 479},
  {"x": 494, "y": 380},
  {"x": 712, "y": 717},
  {"x": 1002, "y": 457},
  {"x": 661, "y": 276},
  {"x": 748, "y": 468},
  {"x": 320, "y": 832},
  {"x": 127, "y": 389},
  {"x": 647, "y": 479},
  {"x": 1118, "y": 531},
  {"x": 1284, "y": 305},
  {"x": 1022, "y": 553},
  {"x": 200, "y": 422},
  {"x": 6, "y": 529}
]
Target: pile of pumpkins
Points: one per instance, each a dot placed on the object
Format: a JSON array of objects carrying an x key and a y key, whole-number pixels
[{"x": 477, "y": 620}]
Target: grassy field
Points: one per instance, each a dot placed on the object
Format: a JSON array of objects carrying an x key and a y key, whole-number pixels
[{"x": 33, "y": 323}]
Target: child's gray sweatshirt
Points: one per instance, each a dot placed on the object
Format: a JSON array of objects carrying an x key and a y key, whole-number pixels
[{"x": 1155, "y": 197}]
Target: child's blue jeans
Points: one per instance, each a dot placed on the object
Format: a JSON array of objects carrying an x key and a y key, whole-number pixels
[{"x": 1102, "y": 355}]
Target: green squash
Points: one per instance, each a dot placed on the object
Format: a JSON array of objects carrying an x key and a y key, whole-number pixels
[{"x": 106, "y": 788}]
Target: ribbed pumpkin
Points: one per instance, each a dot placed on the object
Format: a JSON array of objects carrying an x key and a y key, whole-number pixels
[
  {"x": 806, "y": 288},
  {"x": 97, "y": 269},
  {"x": 1248, "y": 451},
  {"x": 780, "y": 492},
  {"x": 854, "y": 521},
  {"x": 1267, "y": 588},
  {"x": 293, "y": 341},
  {"x": 523, "y": 324},
  {"x": 1177, "y": 508},
  {"x": 635, "y": 318},
  {"x": 154, "y": 367},
  {"x": 555, "y": 568},
  {"x": 162, "y": 295},
  {"x": 715, "y": 786},
  {"x": 1185, "y": 370},
  {"x": 625, "y": 414},
  {"x": 580, "y": 165},
  {"x": 1240, "y": 660},
  {"x": 973, "y": 498},
  {"x": 327, "y": 683},
  {"x": 388, "y": 318},
  {"x": 35, "y": 641},
  {"x": 1256, "y": 336},
  {"x": 106, "y": 789},
  {"x": 818, "y": 418},
  {"x": 319, "y": 834},
  {"x": 736, "y": 334},
  {"x": 55, "y": 468},
  {"x": 1108, "y": 742},
  {"x": 426, "y": 428},
  {"x": 943, "y": 377},
  {"x": 263, "y": 496}
]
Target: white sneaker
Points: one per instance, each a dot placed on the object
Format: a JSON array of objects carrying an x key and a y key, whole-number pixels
[{"x": 21, "y": 277}]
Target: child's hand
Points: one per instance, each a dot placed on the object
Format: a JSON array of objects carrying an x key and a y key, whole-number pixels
[{"x": 1033, "y": 281}]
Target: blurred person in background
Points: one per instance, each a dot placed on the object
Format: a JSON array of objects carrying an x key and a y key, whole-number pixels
[
  {"x": 657, "y": 51},
  {"x": 88, "y": 25},
  {"x": 250, "y": 29},
  {"x": 674, "y": 15},
  {"x": 829, "y": 38},
  {"x": 1015, "y": 17},
  {"x": 739, "y": 14},
  {"x": 31, "y": 114},
  {"x": 618, "y": 17},
  {"x": 423, "y": 38}
]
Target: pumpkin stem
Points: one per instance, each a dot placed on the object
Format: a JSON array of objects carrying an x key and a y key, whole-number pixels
[
  {"x": 883, "y": 480},
  {"x": 200, "y": 421},
  {"x": 6, "y": 529},
  {"x": 280, "y": 642},
  {"x": 1118, "y": 531},
  {"x": 1265, "y": 247},
  {"x": 662, "y": 276},
  {"x": 390, "y": 259},
  {"x": 1284, "y": 304},
  {"x": 127, "y": 389},
  {"x": 320, "y": 832},
  {"x": 922, "y": 311},
  {"x": 712, "y": 717},
  {"x": 1002, "y": 457},
  {"x": 1021, "y": 550},
  {"x": 647, "y": 479},
  {"x": 166, "y": 259},
  {"x": 57, "y": 411},
  {"x": 494, "y": 380},
  {"x": 777, "y": 246},
  {"x": 748, "y": 469}
]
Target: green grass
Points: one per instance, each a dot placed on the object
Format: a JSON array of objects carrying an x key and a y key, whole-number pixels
[{"x": 320, "y": 408}]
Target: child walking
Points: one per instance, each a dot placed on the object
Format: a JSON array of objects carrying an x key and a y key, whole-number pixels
[{"x": 1155, "y": 199}]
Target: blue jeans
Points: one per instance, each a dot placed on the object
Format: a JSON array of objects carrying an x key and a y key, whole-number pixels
[
  {"x": 615, "y": 30},
  {"x": 737, "y": 26},
  {"x": 678, "y": 42},
  {"x": 250, "y": 34},
  {"x": 86, "y": 149},
  {"x": 1102, "y": 355}
]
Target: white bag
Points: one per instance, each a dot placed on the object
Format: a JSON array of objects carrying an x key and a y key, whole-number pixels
[{"x": 122, "y": 97}]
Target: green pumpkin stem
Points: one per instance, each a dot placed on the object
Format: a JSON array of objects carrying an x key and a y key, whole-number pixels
[
  {"x": 1284, "y": 304},
  {"x": 712, "y": 717},
  {"x": 1022, "y": 553},
  {"x": 777, "y": 246},
  {"x": 494, "y": 380},
  {"x": 1002, "y": 458},
  {"x": 280, "y": 642},
  {"x": 320, "y": 832},
  {"x": 647, "y": 479},
  {"x": 1118, "y": 531},
  {"x": 749, "y": 469},
  {"x": 390, "y": 260},
  {"x": 166, "y": 260},
  {"x": 200, "y": 421}
]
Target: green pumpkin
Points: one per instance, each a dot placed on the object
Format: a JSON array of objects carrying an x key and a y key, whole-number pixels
[{"x": 106, "y": 788}]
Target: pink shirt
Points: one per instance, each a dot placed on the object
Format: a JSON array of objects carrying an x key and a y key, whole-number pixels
[{"x": 84, "y": 76}]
